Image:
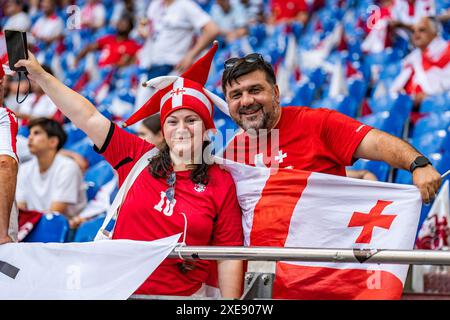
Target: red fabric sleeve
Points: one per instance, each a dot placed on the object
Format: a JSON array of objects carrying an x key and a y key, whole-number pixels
[
  {"x": 134, "y": 47},
  {"x": 227, "y": 229},
  {"x": 301, "y": 5},
  {"x": 103, "y": 40},
  {"x": 122, "y": 150},
  {"x": 342, "y": 135}
]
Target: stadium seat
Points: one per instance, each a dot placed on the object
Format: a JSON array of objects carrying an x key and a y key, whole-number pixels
[
  {"x": 303, "y": 94},
  {"x": 87, "y": 230},
  {"x": 431, "y": 122},
  {"x": 436, "y": 103},
  {"x": 380, "y": 169},
  {"x": 432, "y": 142},
  {"x": 386, "y": 121},
  {"x": 52, "y": 227},
  {"x": 96, "y": 177},
  {"x": 85, "y": 148},
  {"x": 401, "y": 105},
  {"x": 73, "y": 134}
]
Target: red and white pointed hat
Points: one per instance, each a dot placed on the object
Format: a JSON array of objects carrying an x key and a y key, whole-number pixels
[{"x": 184, "y": 92}]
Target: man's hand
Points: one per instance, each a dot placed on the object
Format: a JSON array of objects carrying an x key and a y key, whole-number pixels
[
  {"x": 5, "y": 239},
  {"x": 428, "y": 180},
  {"x": 35, "y": 71}
]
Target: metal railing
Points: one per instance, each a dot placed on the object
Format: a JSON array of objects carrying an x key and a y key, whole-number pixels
[
  {"x": 427, "y": 257},
  {"x": 262, "y": 262}
]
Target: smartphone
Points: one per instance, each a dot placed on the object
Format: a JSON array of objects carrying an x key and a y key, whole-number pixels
[{"x": 16, "y": 45}]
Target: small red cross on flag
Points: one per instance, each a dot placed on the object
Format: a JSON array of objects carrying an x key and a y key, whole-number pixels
[
  {"x": 177, "y": 91},
  {"x": 371, "y": 220}
]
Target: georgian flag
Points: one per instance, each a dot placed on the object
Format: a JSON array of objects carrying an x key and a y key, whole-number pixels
[
  {"x": 293, "y": 208},
  {"x": 110, "y": 269}
]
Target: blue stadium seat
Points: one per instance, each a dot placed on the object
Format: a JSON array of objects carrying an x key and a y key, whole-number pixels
[
  {"x": 432, "y": 122},
  {"x": 73, "y": 134},
  {"x": 85, "y": 148},
  {"x": 436, "y": 103},
  {"x": 344, "y": 104},
  {"x": 87, "y": 230},
  {"x": 357, "y": 89},
  {"x": 432, "y": 142},
  {"x": 401, "y": 105},
  {"x": 52, "y": 227},
  {"x": 23, "y": 131},
  {"x": 386, "y": 121},
  {"x": 380, "y": 169},
  {"x": 97, "y": 176},
  {"x": 303, "y": 94}
]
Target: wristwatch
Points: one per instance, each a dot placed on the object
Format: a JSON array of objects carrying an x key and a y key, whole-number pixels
[{"x": 420, "y": 161}]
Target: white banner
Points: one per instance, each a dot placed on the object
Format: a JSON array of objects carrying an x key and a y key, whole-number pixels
[{"x": 110, "y": 269}]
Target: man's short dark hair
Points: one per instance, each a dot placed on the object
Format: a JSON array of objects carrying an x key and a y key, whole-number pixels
[
  {"x": 153, "y": 123},
  {"x": 242, "y": 67},
  {"x": 52, "y": 128}
]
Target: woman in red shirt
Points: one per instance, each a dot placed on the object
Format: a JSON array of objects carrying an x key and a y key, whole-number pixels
[{"x": 178, "y": 192}]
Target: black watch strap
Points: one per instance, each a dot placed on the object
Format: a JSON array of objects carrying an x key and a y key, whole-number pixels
[{"x": 420, "y": 161}]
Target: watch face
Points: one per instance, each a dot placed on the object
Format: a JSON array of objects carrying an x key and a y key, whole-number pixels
[{"x": 422, "y": 161}]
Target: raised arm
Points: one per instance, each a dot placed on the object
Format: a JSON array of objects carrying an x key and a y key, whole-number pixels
[
  {"x": 381, "y": 146},
  {"x": 74, "y": 106}
]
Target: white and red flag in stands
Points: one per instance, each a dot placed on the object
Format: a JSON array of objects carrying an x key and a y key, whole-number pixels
[
  {"x": 427, "y": 71},
  {"x": 435, "y": 231},
  {"x": 292, "y": 208}
]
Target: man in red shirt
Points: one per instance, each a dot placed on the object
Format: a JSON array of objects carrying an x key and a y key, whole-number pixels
[
  {"x": 318, "y": 140},
  {"x": 289, "y": 11},
  {"x": 116, "y": 50}
]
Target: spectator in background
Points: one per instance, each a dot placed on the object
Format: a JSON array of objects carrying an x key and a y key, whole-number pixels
[
  {"x": 230, "y": 17},
  {"x": 8, "y": 171},
  {"x": 121, "y": 8},
  {"x": 288, "y": 11},
  {"x": 37, "y": 105},
  {"x": 379, "y": 34},
  {"x": 426, "y": 70},
  {"x": 407, "y": 13},
  {"x": 17, "y": 18},
  {"x": 49, "y": 182},
  {"x": 93, "y": 15},
  {"x": 176, "y": 31},
  {"x": 11, "y": 84},
  {"x": 253, "y": 10},
  {"x": 49, "y": 27},
  {"x": 150, "y": 130},
  {"x": 116, "y": 50}
]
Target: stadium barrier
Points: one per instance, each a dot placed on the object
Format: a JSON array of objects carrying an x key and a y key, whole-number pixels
[{"x": 258, "y": 282}]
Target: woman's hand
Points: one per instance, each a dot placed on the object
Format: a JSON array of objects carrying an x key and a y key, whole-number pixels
[{"x": 35, "y": 71}]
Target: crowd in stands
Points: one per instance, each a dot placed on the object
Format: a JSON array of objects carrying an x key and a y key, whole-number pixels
[{"x": 384, "y": 62}]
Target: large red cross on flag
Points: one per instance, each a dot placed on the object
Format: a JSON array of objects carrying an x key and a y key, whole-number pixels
[{"x": 292, "y": 208}]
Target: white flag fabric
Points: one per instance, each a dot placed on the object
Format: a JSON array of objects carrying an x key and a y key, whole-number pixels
[
  {"x": 434, "y": 234},
  {"x": 293, "y": 208},
  {"x": 110, "y": 269}
]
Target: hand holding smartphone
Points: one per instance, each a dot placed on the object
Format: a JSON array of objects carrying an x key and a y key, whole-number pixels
[{"x": 16, "y": 45}]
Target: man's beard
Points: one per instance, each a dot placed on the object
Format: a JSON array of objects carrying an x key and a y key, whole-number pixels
[{"x": 260, "y": 121}]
